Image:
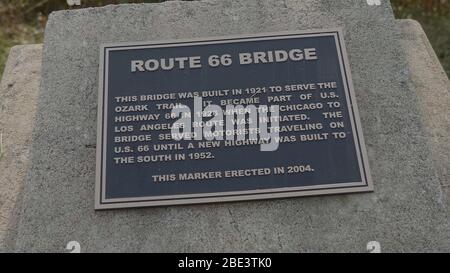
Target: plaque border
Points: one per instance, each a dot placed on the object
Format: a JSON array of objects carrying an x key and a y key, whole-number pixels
[{"x": 366, "y": 185}]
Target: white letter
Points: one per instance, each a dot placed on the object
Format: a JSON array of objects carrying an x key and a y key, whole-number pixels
[
  {"x": 181, "y": 61},
  {"x": 194, "y": 62},
  {"x": 310, "y": 54},
  {"x": 296, "y": 55},
  {"x": 281, "y": 56},
  {"x": 216, "y": 122},
  {"x": 137, "y": 64}
]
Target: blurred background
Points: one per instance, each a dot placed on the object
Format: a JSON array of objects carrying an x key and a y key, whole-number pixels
[{"x": 23, "y": 21}]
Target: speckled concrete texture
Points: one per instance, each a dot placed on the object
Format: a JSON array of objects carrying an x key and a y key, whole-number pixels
[
  {"x": 18, "y": 102},
  {"x": 407, "y": 212}
]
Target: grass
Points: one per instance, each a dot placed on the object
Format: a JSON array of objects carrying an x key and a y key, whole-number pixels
[
  {"x": 434, "y": 16},
  {"x": 22, "y": 22}
]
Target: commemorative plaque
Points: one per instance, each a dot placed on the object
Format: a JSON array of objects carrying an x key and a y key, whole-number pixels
[{"x": 165, "y": 136}]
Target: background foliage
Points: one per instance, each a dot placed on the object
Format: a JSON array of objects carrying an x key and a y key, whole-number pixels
[{"x": 23, "y": 21}]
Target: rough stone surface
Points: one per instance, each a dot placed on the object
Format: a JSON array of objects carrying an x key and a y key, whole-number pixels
[
  {"x": 18, "y": 98},
  {"x": 407, "y": 212}
]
